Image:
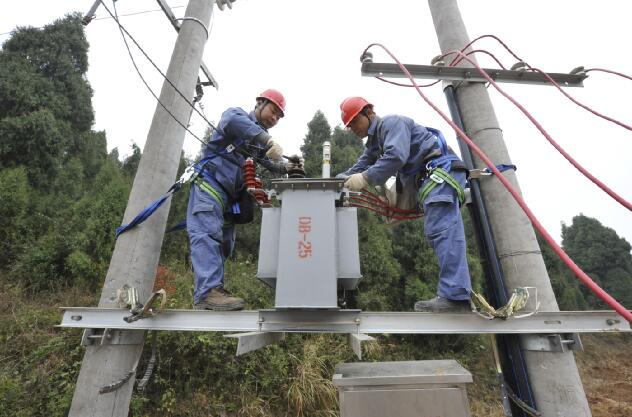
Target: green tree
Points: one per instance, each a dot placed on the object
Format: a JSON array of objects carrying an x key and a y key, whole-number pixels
[
  {"x": 14, "y": 199},
  {"x": 603, "y": 255},
  {"x": 346, "y": 147},
  {"x": 565, "y": 285},
  {"x": 45, "y": 101},
  {"x": 318, "y": 131}
]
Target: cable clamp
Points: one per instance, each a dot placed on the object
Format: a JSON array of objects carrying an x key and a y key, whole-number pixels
[
  {"x": 478, "y": 173},
  {"x": 195, "y": 19}
]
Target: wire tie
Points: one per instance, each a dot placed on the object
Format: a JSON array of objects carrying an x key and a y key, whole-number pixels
[{"x": 195, "y": 19}]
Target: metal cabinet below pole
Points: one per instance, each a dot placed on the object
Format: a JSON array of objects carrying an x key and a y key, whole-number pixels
[{"x": 432, "y": 388}]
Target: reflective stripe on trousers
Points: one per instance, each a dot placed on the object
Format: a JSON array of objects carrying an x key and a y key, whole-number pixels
[
  {"x": 211, "y": 243},
  {"x": 443, "y": 227}
]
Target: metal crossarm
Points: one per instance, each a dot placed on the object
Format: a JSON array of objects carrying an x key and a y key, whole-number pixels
[
  {"x": 374, "y": 69},
  {"x": 346, "y": 321}
]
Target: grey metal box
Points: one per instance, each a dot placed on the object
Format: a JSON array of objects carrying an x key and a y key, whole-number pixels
[
  {"x": 309, "y": 247},
  {"x": 405, "y": 389},
  {"x": 306, "y": 271}
]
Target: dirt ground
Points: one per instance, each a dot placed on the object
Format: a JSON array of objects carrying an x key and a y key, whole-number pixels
[{"x": 605, "y": 367}]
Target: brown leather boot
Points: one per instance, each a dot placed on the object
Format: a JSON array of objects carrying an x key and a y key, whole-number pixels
[{"x": 219, "y": 299}]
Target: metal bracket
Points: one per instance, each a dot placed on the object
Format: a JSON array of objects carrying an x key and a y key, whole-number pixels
[
  {"x": 469, "y": 74},
  {"x": 355, "y": 341},
  {"x": 176, "y": 25},
  {"x": 103, "y": 337},
  {"x": 247, "y": 342},
  {"x": 347, "y": 321},
  {"x": 559, "y": 342}
]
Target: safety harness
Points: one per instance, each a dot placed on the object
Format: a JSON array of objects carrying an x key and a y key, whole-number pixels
[
  {"x": 437, "y": 170},
  {"x": 199, "y": 175}
]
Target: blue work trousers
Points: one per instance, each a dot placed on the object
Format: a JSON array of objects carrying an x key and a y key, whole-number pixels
[
  {"x": 443, "y": 227},
  {"x": 211, "y": 241}
]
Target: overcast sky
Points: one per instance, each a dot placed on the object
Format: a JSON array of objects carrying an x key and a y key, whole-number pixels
[{"x": 310, "y": 51}]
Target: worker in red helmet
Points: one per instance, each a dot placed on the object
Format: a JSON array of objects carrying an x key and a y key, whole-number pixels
[
  {"x": 420, "y": 160},
  {"x": 215, "y": 198}
]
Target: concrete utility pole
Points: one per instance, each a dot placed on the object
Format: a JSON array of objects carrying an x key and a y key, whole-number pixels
[
  {"x": 555, "y": 380},
  {"x": 110, "y": 367}
]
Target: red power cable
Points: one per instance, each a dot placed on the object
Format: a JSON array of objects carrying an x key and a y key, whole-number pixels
[
  {"x": 453, "y": 63},
  {"x": 609, "y": 72},
  {"x": 568, "y": 96},
  {"x": 498, "y": 40},
  {"x": 607, "y": 298},
  {"x": 625, "y": 126},
  {"x": 565, "y": 154}
]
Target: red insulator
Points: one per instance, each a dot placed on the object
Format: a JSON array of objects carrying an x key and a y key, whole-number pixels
[
  {"x": 250, "y": 173},
  {"x": 260, "y": 195}
]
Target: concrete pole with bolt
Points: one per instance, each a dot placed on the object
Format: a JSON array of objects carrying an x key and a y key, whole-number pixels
[
  {"x": 557, "y": 387},
  {"x": 107, "y": 375}
]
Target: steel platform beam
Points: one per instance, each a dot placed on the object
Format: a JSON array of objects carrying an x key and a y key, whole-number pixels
[
  {"x": 346, "y": 321},
  {"x": 433, "y": 72}
]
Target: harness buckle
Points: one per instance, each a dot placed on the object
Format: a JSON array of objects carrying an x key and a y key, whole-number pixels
[
  {"x": 434, "y": 177},
  {"x": 230, "y": 148},
  {"x": 187, "y": 175}
]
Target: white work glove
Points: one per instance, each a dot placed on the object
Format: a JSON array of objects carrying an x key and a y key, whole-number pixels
[
  {"x": 292, "y": 164},
  {"x": 275, "y": 152},
  {"x": 356, "y": 182},
  {"x": 342, "y": 176},
  {"x": 390, "y": 195}
]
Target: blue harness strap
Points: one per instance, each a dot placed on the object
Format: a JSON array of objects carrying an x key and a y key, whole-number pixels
[
  {"x": 147, "y": 211},
  {"x": 501, "y": 168},
  {"x": 189, "y": 175},
  {"x": 445, "y": 160}
]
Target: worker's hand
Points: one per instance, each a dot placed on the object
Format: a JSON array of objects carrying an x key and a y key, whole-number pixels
[
  {"x": 274, "y": 152},
  {"x": 295, "y": 162},
  {"x": 356, "y": 182},
  {"x": 342, "y": 176}
]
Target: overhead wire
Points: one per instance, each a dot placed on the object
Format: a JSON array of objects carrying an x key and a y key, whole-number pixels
[
  {"x": 122, "y": 28},
  {"x": 579, "y": 273},
  {"x": 561, "y": 150},
  {"x": 451, "y": 64},
  {"x": 136, "y": 13},
  {"x": 192, "y": 105},
  {"x": 548, "y": 137},
  {"x": 530, "y": 68},
  {"x": 110, "y": 17},
  {"x": 609, "y": 72}
]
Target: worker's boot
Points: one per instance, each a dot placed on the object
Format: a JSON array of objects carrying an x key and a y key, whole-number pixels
[
  {"x": 219, "y": 299},
  {"x": 443, "y": 305}
]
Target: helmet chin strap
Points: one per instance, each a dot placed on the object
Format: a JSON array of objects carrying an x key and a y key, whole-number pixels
[{"x": 259, "y": 107}]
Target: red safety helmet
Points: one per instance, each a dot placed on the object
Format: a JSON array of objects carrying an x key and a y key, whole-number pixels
[
  {"x": 274, "y": 96},
  {"x": 350, "y": 107}
]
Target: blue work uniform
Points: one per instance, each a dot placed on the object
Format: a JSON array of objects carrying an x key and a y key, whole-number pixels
[
  {"x": 212, "y": 239},
  {"x": 396, "y": 145}
]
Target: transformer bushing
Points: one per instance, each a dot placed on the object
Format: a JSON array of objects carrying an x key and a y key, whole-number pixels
[{"x": 309, "y": 246}]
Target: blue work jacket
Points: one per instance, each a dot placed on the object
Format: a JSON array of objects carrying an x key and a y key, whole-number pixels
[
  {"x": 235, "y": 126},
  {"x": 395, "y": 145}
]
